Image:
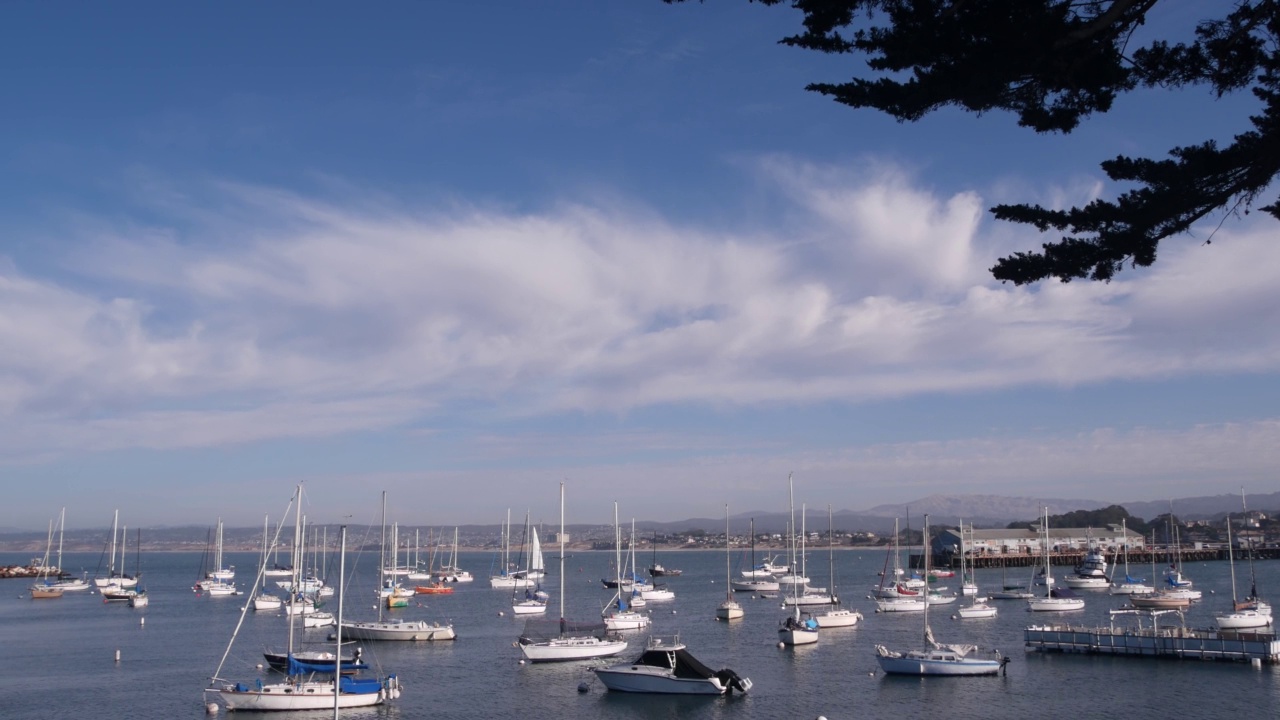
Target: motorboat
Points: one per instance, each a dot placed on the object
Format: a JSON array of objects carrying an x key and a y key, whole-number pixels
[{"x": 668, "y": 668}]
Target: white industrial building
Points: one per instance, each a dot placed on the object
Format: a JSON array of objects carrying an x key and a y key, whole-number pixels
[{"x": 1031, "y": 542}]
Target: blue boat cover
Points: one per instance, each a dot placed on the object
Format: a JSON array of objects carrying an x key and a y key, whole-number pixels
[{"x": 359, "y": 686}]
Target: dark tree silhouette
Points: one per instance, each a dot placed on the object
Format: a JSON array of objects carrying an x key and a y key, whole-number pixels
[{"x": 1053, "y": 63}]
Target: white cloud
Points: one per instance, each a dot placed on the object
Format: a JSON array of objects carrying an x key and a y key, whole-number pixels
[{"x": 291, "y": 316}]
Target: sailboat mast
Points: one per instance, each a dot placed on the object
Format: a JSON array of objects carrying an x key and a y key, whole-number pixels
[
  {"x": 831, "y": 555},
  {"x": 561, "y": 554},
  {"x": 617, "y": 551},
  {"x": 1232, "y": 560},
  {"x": 924, "y": 540},
  {"x": 62, "y": 521},
  {"x": 728, "y": 591},
  {"x": 115, "y": 526},
  {"x": 382, "y": 555},
  {"x": 791, "y": 502},
  {"x": 297, "y": 567},
  {"x": 337, "y": 651}
]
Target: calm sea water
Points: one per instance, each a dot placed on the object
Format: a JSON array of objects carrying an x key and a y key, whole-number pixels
[{"x": 59, "y": 655}]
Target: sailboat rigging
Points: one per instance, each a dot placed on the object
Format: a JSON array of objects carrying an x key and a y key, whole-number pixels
[{"x": 936, "y": 658}]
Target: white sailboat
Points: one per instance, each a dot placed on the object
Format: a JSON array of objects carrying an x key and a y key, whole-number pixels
[
  {"x": 261, "y": 599},
  {"x": 300, "y": 690},
  {"x": 118, "y": 579},
  {"x": 1055, "y": 599},
  {"x": 835, "y": 616},
  {"x": 1243, "y": 615},
  {"x": 64, "y": 581},
  {"x": 759, "y": 578},
  {"x": 567, "y": 642},
  {"x": 936, "y": 658},
  {"x": 796, "y": 629},
  {"x": 452, "y": 572},
  {"x": 220, "y": 572},
  {"x": 729, "y": 609},
  {"x": 534, "y": 600},
  {"x": 507, "y": 577},
  {"x": 1129, "y": 585},
  {"x": 397, "y": 628},
  {"x": 44, "y": 588},
  {"x": 619, "y": 614}
]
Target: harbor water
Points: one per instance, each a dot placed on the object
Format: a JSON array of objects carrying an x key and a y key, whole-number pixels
[{"x": 60, "y": 655}]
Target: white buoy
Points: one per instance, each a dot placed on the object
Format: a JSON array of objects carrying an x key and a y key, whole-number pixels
[
  {"x": 117, "y": 654},
  {"x": 521, "y": 661},
  {"x": 258, "y": 666},
  {"x": 501, "y": 614},
  {"x": 673, "y": 612},
  {"x": 211, "y": 708},
  {"x": 142, "y": 621},
  {"x": 781, "y": 644}
]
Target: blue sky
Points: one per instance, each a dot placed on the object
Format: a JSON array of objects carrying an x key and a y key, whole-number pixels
[{"x": 462, "y": 252}]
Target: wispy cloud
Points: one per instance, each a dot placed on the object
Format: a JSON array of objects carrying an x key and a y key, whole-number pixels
[{"x": 287, "y": 315}]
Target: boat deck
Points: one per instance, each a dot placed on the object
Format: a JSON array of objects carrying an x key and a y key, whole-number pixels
[{"x": 1168, "y": 642}]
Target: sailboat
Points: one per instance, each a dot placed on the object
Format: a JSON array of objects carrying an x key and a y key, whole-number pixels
[
  {"x": 759, "y": 578},
  {"x": 535, "y": 599},
  {"x": 1130, "y": 585},
  {"x": 114, "y": 578},
  {"x": 506, "y": 577},
  {"x": 569, "y": 641},
  {"x": 796, "y": 629},
  {"x": 398, "y": 628},
  {"x": 936, "y": 658},
  {"x": 892, "y": 594},
  {"x": 618, "y": 614},
  {"x": 63, "y": 580},
  {"x": 656, "y": 569},
  {"x": 117, "y": 593},
  {"x": 300, "y": 690},
  {"x": 45, "y": 589},
  {"x": 835, "y": 616},
  {"x": 262, "y": 600},
  {"x": 808, "y": 595},
  {"x": 139, "y": 598},
  {"x": 729, "y": 609},
  {"x": 451, "y": 572},
  {"x": 1253, "y": 612},
  {"x": 1055, "y": 599},
  {"x": 967, "y": 584},
  {"x": 220, "y": 572}
]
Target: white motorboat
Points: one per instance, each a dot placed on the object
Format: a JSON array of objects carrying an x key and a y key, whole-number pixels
[
  {"x": 567, "y": 641},
  {"x": 668, "y": 668},
  {"x": 936, "y": 658}
]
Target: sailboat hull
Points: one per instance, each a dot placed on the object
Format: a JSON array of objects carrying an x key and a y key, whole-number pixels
[
  {"x": 838, "y": 618},
  {"x": 397, "y": 630},
  {"x": 294, "y": 696},
  {"x": 933, "y": 662},
  {"x": 572, "y": 648}
]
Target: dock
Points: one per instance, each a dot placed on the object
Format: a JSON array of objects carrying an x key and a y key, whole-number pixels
[{"x": 1154, "y": 641}]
